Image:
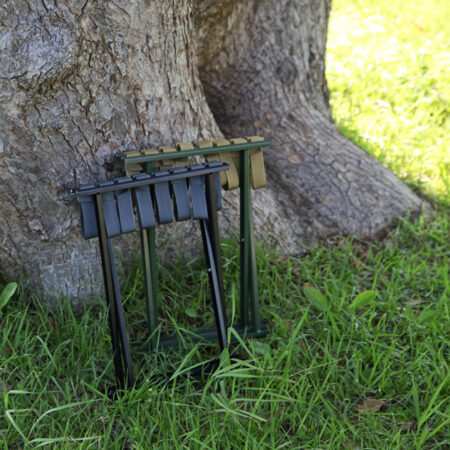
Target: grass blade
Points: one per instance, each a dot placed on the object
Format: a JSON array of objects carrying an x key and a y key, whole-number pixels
[
  {"x": 363, "y": 299},
  {"x": 7, "y": 293},
  {"x": 316, "y": 298}
]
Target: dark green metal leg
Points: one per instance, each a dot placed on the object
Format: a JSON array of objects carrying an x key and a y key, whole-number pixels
[
  {"x": 244, "y": 234},
  {"x": 121, "y": 325},
  {"x": 249, "y": 276},
  {"x": 151, "y": 287},
  {"x": 219, "y": 311},
  {"x": 112, "y": 316},
  {"x": 213, "y": 228},
  {"x": 119, "y": 339},
  {"x": 254, "y": 296},
  {"x": 148, "y": 240}
]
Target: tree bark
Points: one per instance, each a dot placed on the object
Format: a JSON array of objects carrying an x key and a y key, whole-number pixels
[
  {"x": 262, "y": 64},
  {"x": 83, "y": 79}
]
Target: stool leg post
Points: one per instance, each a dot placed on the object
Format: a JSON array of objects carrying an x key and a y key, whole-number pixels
[
  {"x": 152, "y": 248},
  {"x": 109, "y": 288},
  {"x": 244, "y": 234},
  {"x": 254, "y": 297},
  {"x": 213, "y": 228},
  {"x": 150, "y": 284},
  {"x": 126, "y": 353},
  {"x": 152, "y": 273},
  {"x": 249, "y": 276},
  {"x": 214, "y": 284}
]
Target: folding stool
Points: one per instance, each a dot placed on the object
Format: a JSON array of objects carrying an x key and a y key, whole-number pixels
[
  {"x": 246, "y": 169},
  {"x": 108, "y": 209}
]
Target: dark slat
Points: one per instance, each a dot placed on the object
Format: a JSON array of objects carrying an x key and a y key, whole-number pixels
[
  {"x": 126, "y": 213},
  {"x": 144, "y": 205},
  {"x": 182, "y": 207},
  {"x": 219, "y": 310},
  {"x": 198, "y": 197},
  {"x": 218, "y": 188},
  {"x": 110, "y": 214},
  {"x": 164, "y": 213},
  {"x": 89, "y": 226},
  {"x": 156, "y": 177}
]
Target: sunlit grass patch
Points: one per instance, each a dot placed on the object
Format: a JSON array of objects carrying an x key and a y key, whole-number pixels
[{"x": 388, "y": 68}]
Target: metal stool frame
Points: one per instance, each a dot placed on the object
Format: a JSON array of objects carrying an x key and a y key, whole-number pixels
[
  {"x": 251, "y": 324},
  {"x": 98, "y": 221}
]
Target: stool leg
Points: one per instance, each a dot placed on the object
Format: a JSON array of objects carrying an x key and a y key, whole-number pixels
[
  {"x": 150, "y": 282},
  {"x": 213, "y": 228},
  {"x": 109, "y": 287},
  {"x": 254, "y": 297},
  {"x": 249, "y": 277},
  {"x": 215, "y": 288},
  {"x": 126, "y": 353},
  {"x": 151, "y": 274},
  {"x": 245, "y": 234}
]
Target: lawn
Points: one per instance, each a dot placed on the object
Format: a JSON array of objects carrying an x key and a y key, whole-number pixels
[{"x": 334, "y": 373}]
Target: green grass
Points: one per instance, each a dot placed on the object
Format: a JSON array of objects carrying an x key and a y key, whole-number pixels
[
  {"x": 299, "y": 387},
  {"x": 388, "y": 69},
  {"x": 304, "y": 386}
]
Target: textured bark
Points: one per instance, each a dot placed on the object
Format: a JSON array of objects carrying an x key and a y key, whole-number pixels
[
  {"x": 83, "y": 79},
  {"x": 262, "y": 65},
  {"x": 79, "y": 82}
]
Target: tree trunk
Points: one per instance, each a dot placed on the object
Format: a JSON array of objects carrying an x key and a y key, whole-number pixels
[
  {"x": 262, "y": 65},
  {"x": 84, "y": 79}
]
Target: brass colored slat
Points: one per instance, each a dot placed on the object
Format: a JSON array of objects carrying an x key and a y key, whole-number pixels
[
  {"x": 133, "y": 169},
  {"x": 166, "y": 149},
  {"x": 231, "y": 175},
  {"x": 183, "y": 146},
  {"x": 238, "y": 141},
  {"x": 168, "y": 162},
  {"x": 205, "y": 144},
  {"x": 221, "y": 142},
  {"x": 213, "y": 157},
  {"x": 150, "y": 151},
  {"x": 131, "y": 154},
  {"x": 257, "y": 169},
  {"x": 254, "y": 138}
]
